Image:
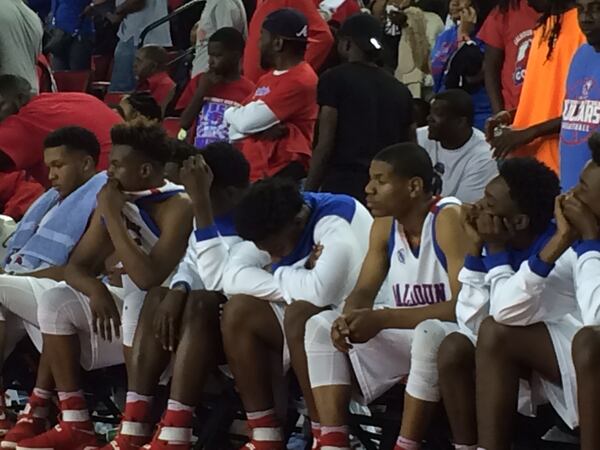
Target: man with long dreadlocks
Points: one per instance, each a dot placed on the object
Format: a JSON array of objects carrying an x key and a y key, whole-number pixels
[{"x": 536, "y": 121}]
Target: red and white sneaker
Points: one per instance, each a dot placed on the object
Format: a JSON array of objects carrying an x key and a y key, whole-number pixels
[
  {"x": 263, "y": 445},
  {"x": 5, "y": 424},
  {"x": 171, "y": 438},
  {"x": 131, "y": 436},
  {"x": 64, "y": 436},
  {"x": 27, "y": 427}
]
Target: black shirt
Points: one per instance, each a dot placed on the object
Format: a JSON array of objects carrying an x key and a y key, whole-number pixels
[{"x": 374, "y": 111}]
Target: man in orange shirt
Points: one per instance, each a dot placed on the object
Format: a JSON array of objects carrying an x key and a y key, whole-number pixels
[
  {"x": 536, "y": 121},
  {"x": 320, "y": 36}
]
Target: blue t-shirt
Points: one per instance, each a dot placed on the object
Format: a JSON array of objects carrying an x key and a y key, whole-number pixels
[
  {"x": 581, "y": 114},
  {"x": 66, "y": 15}
]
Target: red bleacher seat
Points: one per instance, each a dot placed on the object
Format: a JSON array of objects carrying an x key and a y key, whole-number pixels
[
  {"x": 172, "y": 126},
  {"x": 72, "y": 80}
]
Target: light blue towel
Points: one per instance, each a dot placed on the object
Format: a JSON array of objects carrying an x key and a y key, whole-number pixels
[{"x": 53, "y": 242}]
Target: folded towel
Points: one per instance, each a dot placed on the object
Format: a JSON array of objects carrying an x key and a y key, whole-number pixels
[{"x": 50, "y": 242}]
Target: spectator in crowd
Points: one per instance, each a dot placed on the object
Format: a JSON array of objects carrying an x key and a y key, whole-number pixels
[
  {"x": 420, "y": 30},
  {"x": 348, "y": 141},
  {"x": 18, "y": 191},
  {"x": 134, "y": 16},
  {"x": 41, "y": 7},
  {"x": 389, "y": 13},
  {"x": 535, "y": 125},
  {"x": 139, "y": 104},
  {"x": 277, "y": 123},
  {"x": 20, "y": 41},
  {"x": 582, "y": 96},
  {"x": 71, "y": 35},
  {"x": 150, "y": 69},
  {"x": 26, "y": 120},
  {"x": 457, "y": 59},
  {"x": 507, "y": 33},
  {"x": 421, "y": 110},
  {"x": 459, "y": 151},
  {"x": 209, "y": 94},
  {"x": 320, "y": 39},
  {"x": 335, "y": 12},
  {"x": 216, "y": 14},
  {"x": 181, "y": 151}
]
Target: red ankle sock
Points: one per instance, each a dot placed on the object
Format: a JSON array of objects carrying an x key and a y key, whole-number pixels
[
  {"x": 138, "y": 408},
  {"x": 178, "y": 415},
  {"x": 334, "y": 438},
  {"x": 406, "y": 444}
]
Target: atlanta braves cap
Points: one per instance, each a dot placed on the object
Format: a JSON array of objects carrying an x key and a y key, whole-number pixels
[{"x": 287, "y": 23}]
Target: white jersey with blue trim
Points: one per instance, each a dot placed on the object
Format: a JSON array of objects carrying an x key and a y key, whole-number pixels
[
  {"x": 206, "y": 256},
  {"x": 419, "y": 277},
  {"x": 337, "y": 222},
  {"x": 140, "y": 225}
]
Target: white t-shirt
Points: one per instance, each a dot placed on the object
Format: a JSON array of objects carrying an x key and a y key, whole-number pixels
[
  {"x": 20, "y": 40},
  {"x": 467, "y": 170},
  {"x": 133, "y": 24}
]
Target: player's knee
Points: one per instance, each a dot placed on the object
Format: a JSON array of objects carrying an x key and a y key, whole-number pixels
[
  {"x": 55, "y": 310},
  {"x": 237, "y": 314},
  {"x": 317, "y": 334},
  {"x": 294, "y": 322},
  {"x": 586, "y": 349},
  {"x": 493, "y": 337},
  {"x": 428, "y": 336},
  {"x": 456, "y": 354},
  {"x": 201, "y": 309}
]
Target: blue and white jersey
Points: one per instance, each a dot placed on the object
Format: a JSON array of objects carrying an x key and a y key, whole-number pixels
[
  {"x": 473, "y": 304},
  {"x": 337, "y": 222},
  {"x": 419, "y": 277},
  {"x": 206, "y": 256}
]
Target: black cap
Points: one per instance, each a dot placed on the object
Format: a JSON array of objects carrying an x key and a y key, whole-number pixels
[
  {"x": 287, "y": 23},
  {"x": 365, "y": 31}
]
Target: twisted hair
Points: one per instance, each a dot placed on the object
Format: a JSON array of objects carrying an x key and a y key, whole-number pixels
[{"x": 551, "y": 22}]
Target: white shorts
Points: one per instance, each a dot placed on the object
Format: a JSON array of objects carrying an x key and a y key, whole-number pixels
[
  {"x": 563, "y": 397},
  {"x": 382, "y": 362},
  {"x": 279, "y": 311},
  {"x": 66, "y": 311},
  {"x": 19, "y": 296}
]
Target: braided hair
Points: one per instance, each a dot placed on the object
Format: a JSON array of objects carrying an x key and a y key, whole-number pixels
[{"x": 551, "y": 23}]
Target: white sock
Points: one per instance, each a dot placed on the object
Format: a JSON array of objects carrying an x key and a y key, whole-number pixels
[
  {"x": 407, "y": 444},
  {"x": 174, "y": 405},
  {"x": 62, "y": 396},
  {"x": 42, "y": 393},
  {"x": 135, "y": 397}
]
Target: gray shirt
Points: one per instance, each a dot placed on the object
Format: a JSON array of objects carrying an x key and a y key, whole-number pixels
[
  {"x": 20, "y": 40},
  {"x": 217, "y": 14},
  {"x": 133, "y": 24},
  {"x": 467, "y": 170}
]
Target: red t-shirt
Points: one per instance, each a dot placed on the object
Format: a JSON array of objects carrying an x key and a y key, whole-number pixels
[
  {"x": 210, "y": 125},
  {"x": 292, "y": 96},
  {"x": 511, "y": 32},
  {"x": 318, "y": 31},
  {"x": 160, "y": 85},
  {"x": 22, "y": 135},
  {"x": 17, "y": 193}
]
